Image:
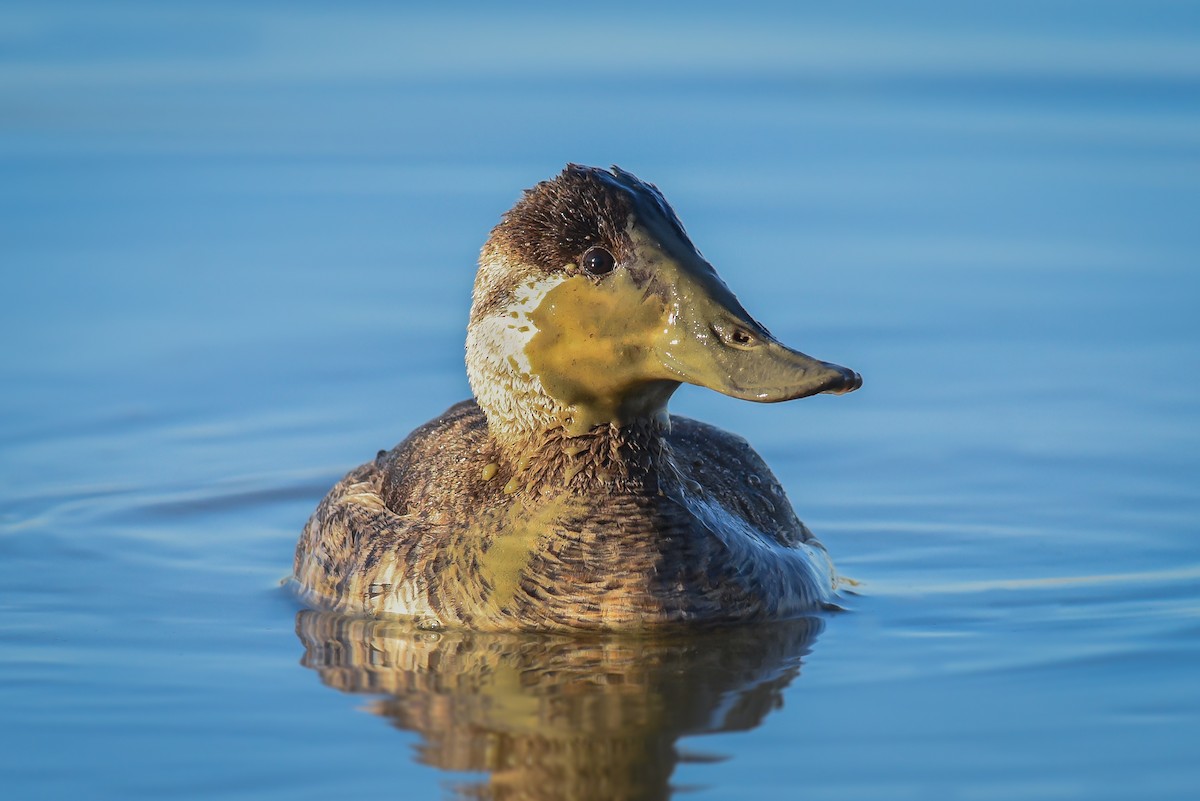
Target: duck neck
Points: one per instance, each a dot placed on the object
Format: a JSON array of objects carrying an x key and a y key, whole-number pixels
[{"x": 546, "y": 442}]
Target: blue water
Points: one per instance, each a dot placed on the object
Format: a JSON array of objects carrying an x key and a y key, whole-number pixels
[{"x": 237, "y": 246}]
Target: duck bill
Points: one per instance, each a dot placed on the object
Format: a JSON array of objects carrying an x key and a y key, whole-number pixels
[
  {"x": 711, "y": 341},
  {"x": 769, "y": 373}
]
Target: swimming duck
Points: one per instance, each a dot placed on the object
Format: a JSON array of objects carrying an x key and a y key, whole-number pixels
[{"x": 564, "y": 495}]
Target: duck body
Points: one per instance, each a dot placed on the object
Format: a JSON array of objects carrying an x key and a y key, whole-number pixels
[
  {"x": 564, "y": 496},
  {"x": 693, "y": 528}
]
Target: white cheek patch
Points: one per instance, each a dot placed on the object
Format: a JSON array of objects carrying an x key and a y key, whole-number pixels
[
  {"x": 501, "y": 376},
  {"x": 506, "y": 333}
]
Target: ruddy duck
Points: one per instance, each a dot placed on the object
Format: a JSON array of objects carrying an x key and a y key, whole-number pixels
[{"x": 564, "y": 496}]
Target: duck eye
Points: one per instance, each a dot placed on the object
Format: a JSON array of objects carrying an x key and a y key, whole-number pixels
[{"x": 597, "y": 261}]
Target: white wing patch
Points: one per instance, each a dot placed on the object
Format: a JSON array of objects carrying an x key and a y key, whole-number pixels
[{"x": 405, "y": 595}]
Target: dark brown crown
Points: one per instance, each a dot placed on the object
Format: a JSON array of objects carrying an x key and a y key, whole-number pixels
[{"x": 557, "y": 220}]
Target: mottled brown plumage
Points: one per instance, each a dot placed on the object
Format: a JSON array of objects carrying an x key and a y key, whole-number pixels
[
  {"x": 566, "y": 497},
  {"x": 622, "y": 548}
]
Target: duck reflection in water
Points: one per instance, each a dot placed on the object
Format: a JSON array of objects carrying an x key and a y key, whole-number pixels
[{"x": 558, "y": 717}]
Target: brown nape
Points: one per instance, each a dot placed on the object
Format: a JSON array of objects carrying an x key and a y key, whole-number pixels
[{"x": 556, "y": 221}]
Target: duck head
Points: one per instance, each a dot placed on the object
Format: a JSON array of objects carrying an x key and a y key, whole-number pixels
[{"x": 592, "y": 306}]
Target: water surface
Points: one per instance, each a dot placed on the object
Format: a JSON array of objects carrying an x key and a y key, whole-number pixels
[{"x": 237, "y": 248}]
